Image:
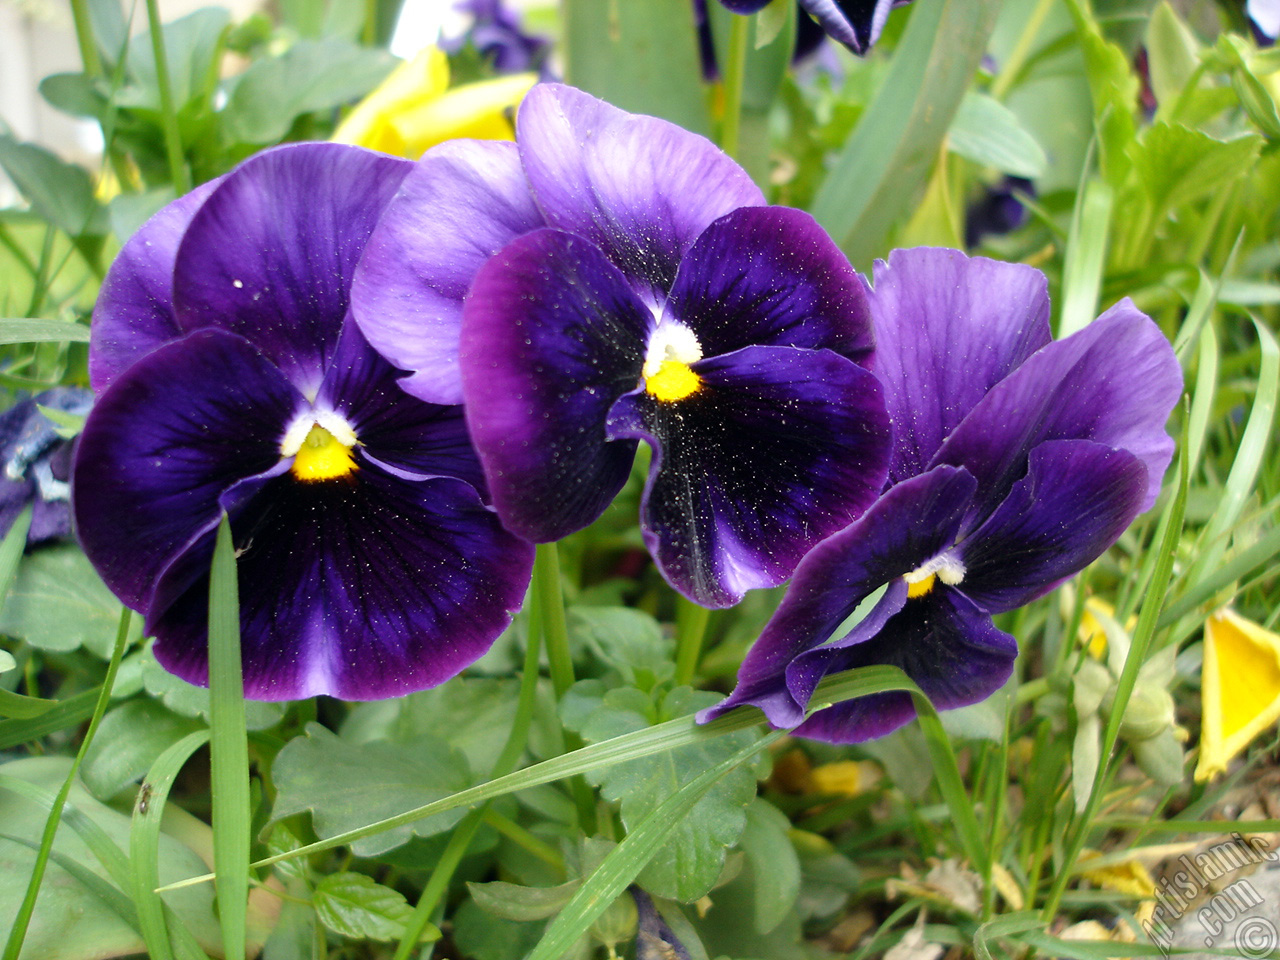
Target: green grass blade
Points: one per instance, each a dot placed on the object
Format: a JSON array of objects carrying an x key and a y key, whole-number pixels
[
  {"x": 679, "y": 732},
  {"x": 1237, "y": 568},
  {"x": 11, "y": 547},
  {"x": 228, "y": 748},
  {"x": 18, "y": 932},
  {"x": 144, "y": 842},
  {"x": 68, "y": 713},
  {"x": 1202, "y": 401},
  {"x": 113, "y": 860},
  {"x": 628, "y": 858},
  {"x": 1086, "y": 256},
  {"x": 168, "y": 110},
  {"x": 33, "y": 330},
  {"x": 880, "y": 170}
]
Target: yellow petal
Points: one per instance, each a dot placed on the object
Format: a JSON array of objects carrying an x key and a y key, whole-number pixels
[
  {"x": 1239, "y": 688},
  {"x": 845, "y": 778},
  {"x": 415, "y": 82},
  {"x": 1091, "y": 633},
  {"x": 479, "y": 111},
  {"x": 1128, "y": 876}
]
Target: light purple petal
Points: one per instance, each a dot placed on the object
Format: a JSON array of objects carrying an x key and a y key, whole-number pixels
[
  {"x": 271, "y": 253},
  {"x": 770, "y": 276},
  {"x": 1114, "y": 382},
  {"x": 360, "y": 588},
  {"x": 175, "y": 430},
  {"x": 640, "y": 188},
  {"x": 777, "y": 449},
  {"x": 402, "y": 434},
  {"x": 134, "y": 312},
  {"x": 910, "y": 523},
  {"x": 949, "y": 647},
  {"x": 463, "y": 202},
  {"x": 949, "y": 328},
  {"x": 855, "y": 23},
  {"x": 1075, "y": 501},
  {"x": 551, "y": 337}
]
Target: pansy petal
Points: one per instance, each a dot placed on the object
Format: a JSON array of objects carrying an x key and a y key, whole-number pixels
[
  {"x": 359, "y": 588},
  {"x": 770, "y": 276},
  {"x": 174, "y": 431},
  {"x": 910, "y": 523},
  {"x": 459, "y": 206},
  {"x": 1114, "y": 382},
  {"x": 271, "y": 253},
  {"x": 551, "y": 337},
  {"x": 745, "y": 6},
  {"x": 134, "y": 311},
  {"x": 1075, "y": 501},
  {"x": 855, "y": 23},
  {"x": 640, "y": 188},
  {"x": 407, "y": 436},
  {"x": 949, "y": 328},
  {"x": 777, "y": 449},
  {"x": 949, "y": 647}
]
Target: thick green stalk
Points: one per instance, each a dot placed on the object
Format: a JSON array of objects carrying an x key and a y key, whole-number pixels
[
  {"x": 555, "y": 633},
  {"x": 84, "y": 38},
  {"x": 18, "y": 932},
  {"x": 168, "y": 116},
  {"x": 735, "y": 73},
  {"x": 691, "y": 628}
]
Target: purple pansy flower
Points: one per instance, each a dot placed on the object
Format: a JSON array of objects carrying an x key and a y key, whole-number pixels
[
  {"x": 855, "y": 23},
  {"x": 499, "y": 37},
  {"x": 1017, "y": 462},
  {"x": 230, "y": 379},
  {"x": 37, "y": 463},
  {"x": 639, "y": 291}
]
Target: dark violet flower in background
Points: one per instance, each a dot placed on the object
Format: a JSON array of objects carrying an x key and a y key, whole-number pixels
[
  {"x": 659, "y": 301},
  {"x": 498, "y": 36},
  {"x": 1000, "y": 210},
  {"x": 809, "y": 40},
  {"x": 1017, "y": 461},
  {"x": 855, "y": 23},
  {"x": 37, "y": 463},
  {"x": 1265, "y": 17},
  {"x": 229, "y": 379}
]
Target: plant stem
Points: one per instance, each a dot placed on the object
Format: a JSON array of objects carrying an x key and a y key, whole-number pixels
[
  {"x": 546, "y": 583},
  {"x": 84, "y": 38},
  {"x": 735, "y": 73},
  {"x": 18, "y": 932},
  {"x": 691, "y": 628},
  {"x": 172, "y": 137}
]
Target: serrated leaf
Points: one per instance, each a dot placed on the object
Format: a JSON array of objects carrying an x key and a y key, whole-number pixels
[
  {"x": 347, "y": 785},
  {"x": 690, "y": 859},
  {"x": 358, "y": 907},
  {"x": 191, "y": 701},
  {"x": 59, "y": 602},
  {"x": 989, "y": 133},
  {"x": 311, "y": 75},
  {"x": 628, "y": 640},
  {"x": 511, "y": 901},
  {"x": 1176, "y": 164},
  {"x": 775, "y": 866}
]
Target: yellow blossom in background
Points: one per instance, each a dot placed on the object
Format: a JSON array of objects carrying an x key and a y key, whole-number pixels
[
  {"x": 1239, "y": 688},
  {"x": 1126, "y": 876},
  {"x": 1092, "y": 633},
  {"x": 414, "y": 109}
]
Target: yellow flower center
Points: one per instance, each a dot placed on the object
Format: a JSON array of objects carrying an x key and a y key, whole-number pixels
[
  {"x": 945, "y": 567},
  {"x": 322, "y": 456},
  {"x": 672, "y": 381},
  {"x": 921, "y": 588}
]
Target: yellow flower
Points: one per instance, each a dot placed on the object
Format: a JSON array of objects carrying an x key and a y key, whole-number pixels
[
  {"x": 414, "y": 109},
  {"x": 1239, "y": 688}
]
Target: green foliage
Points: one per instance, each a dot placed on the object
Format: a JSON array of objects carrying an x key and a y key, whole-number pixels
[{"x": 353, "y": 905}]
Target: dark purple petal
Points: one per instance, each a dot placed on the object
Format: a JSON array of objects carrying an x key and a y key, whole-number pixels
[
  {"x": 770, "y": 276},
  {"x": 745, "y": 6},
  {"x": 948, "y": 328},
  {"x": 777, "y": 449},
  {"x": 407, "y": 436},
  {"x": 363, "y": 587},
  {"x": 463, "y": 202},
  {"x": 1075, "y": 501},
  {"x": 134, "y": 312},
  {"x": 271, "y": 253},
  {"x": 551, "y": 337},
  {"x": 175, "y": 430},
  {"x": 949, "y": 647},
  {"x": 640, "y": 188},
  {"x": 855, "y": 23},
  {"x": 910, "y": 523},
  {"x": 1114, "y": 382}
]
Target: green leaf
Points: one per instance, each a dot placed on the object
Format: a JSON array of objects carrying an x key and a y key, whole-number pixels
[
  {"x": 191, "y": 701},
  {"x": 510, "y": 901},
  {"x": 355, "y": 906},
  {"x": 346, "y": 785},
  {"x": 130, "y": 740},
  {"x": 1114, "y": 88},
  {"x": 990, "y": 134},
  {"x": 34, "y": 330},
  {"x": 59, "y": 192},
  {"x": 880, "y": 171},
  {"x": 628, "y": 640},
  {"x": 1176, "y": 164},
  {"x": 58, "y": 603},
  {"x": 7, "y": 662},
  {"x": 311, "y": 75},
  {"x": 191, "y": 47},
  {"x": 775, "y": 866},
  {"x": 67, "y": 425},
  {"x": 1173, "y": 53},
  {"x": 691, "y": 858},
  {"x": 483, "y": 936},
  {"x": 640, "y": 55}
]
